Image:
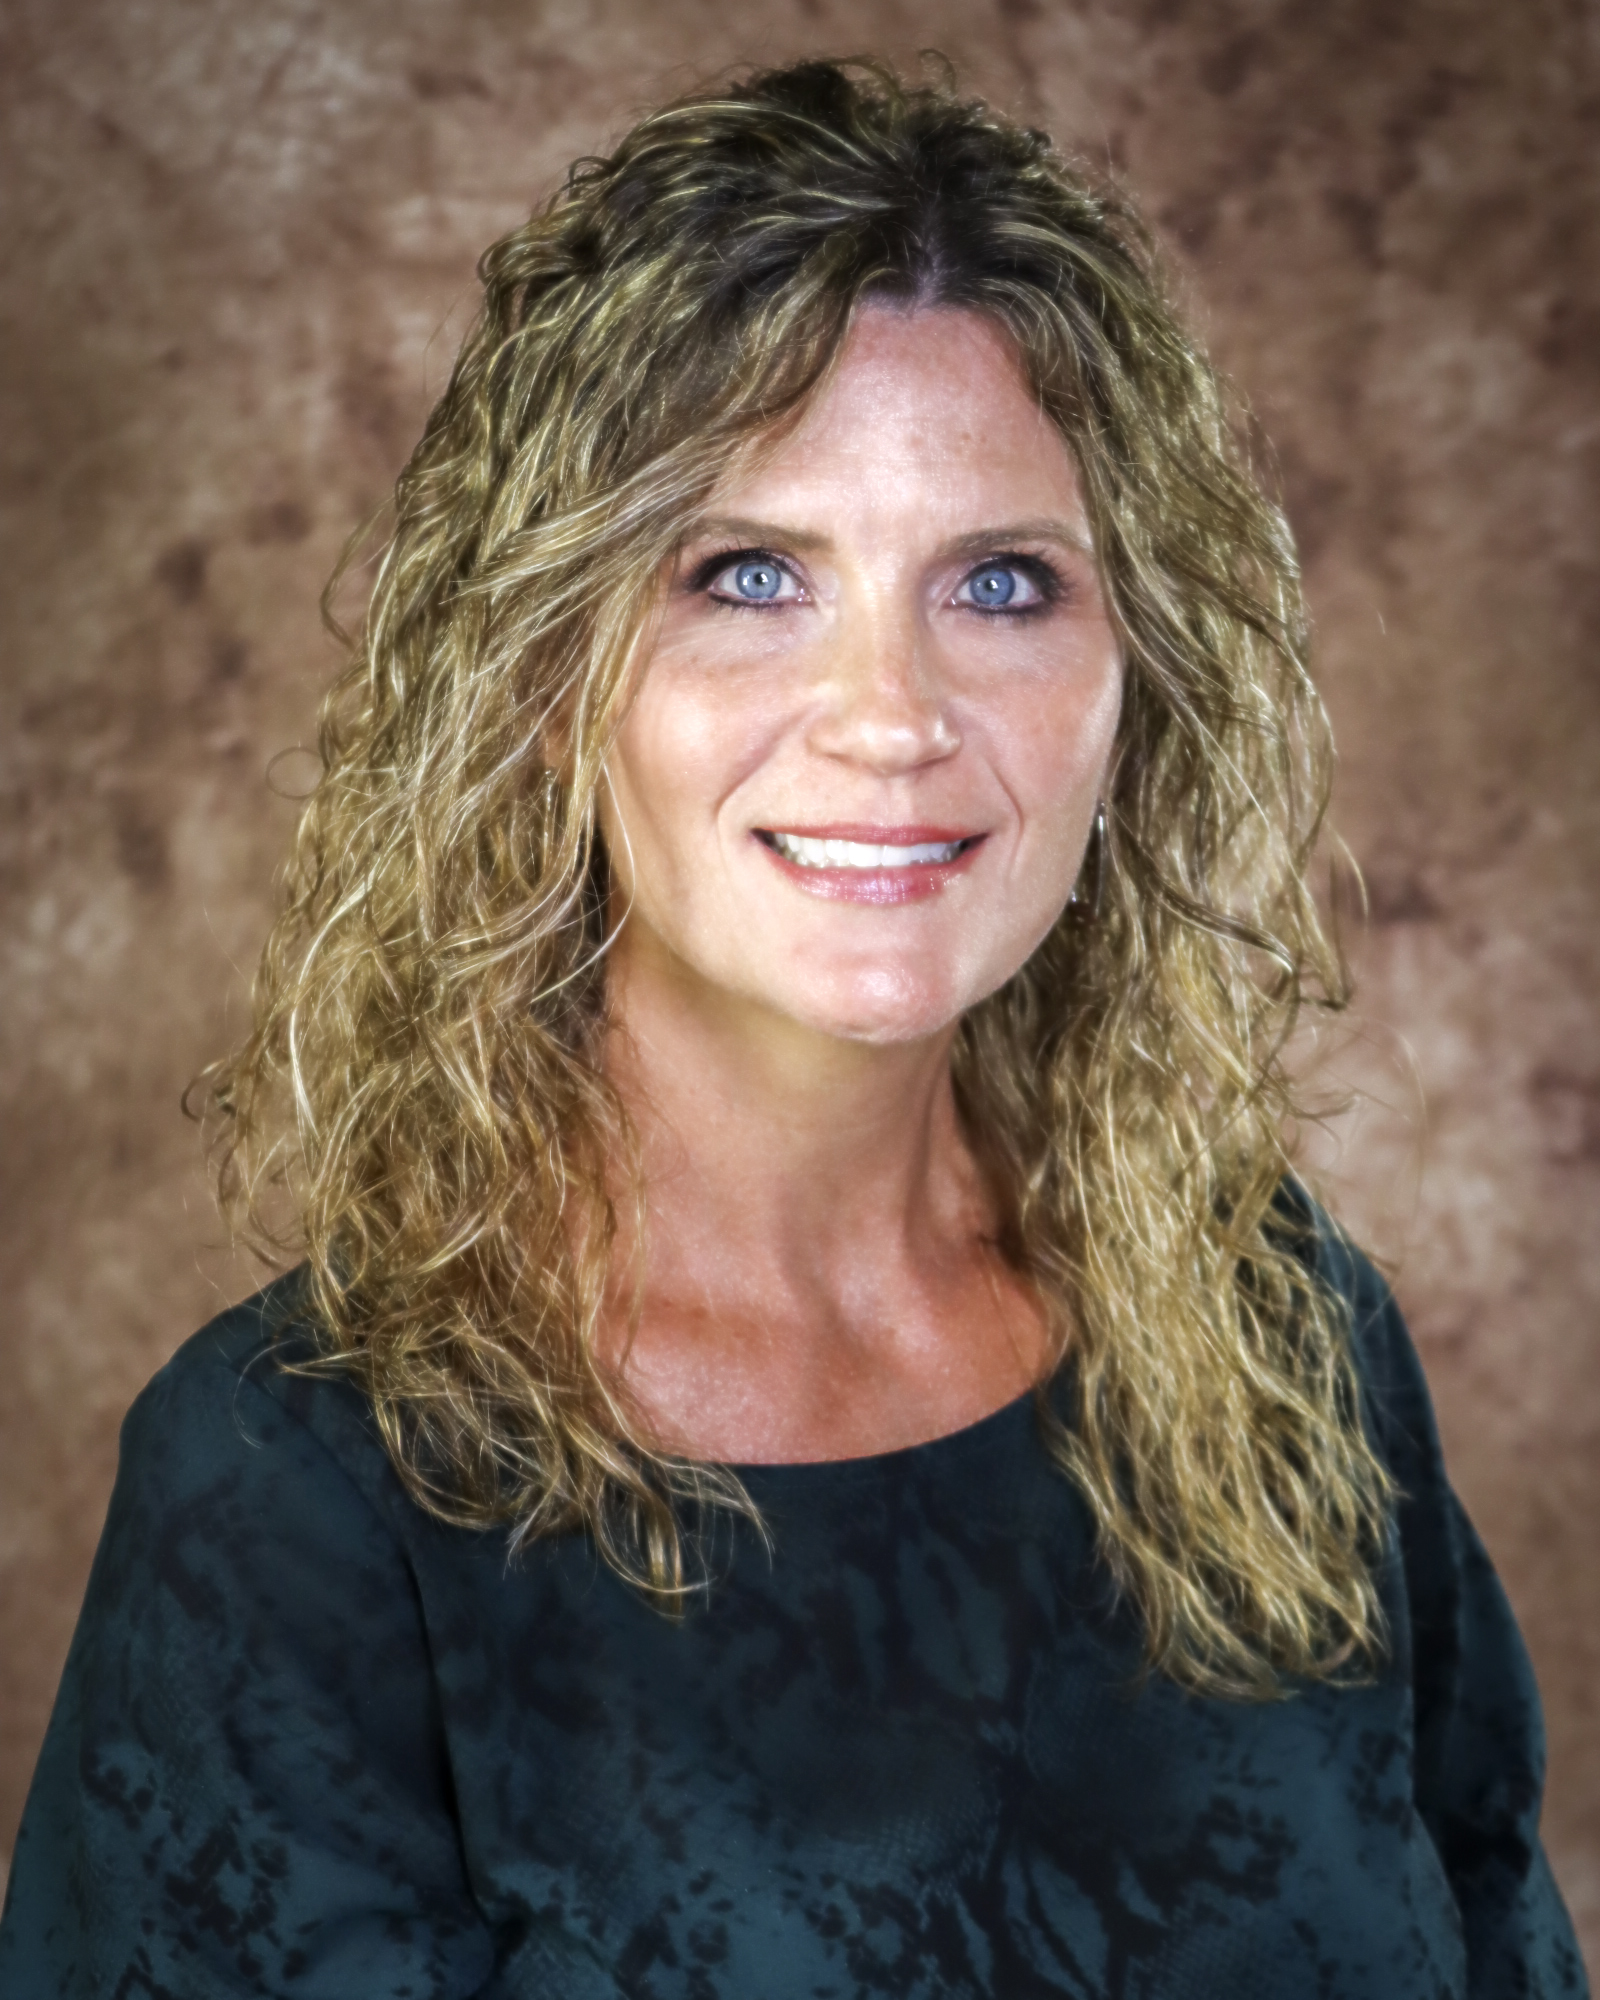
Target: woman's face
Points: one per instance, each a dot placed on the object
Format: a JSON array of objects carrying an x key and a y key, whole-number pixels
[{"x": 856, "y": 783}]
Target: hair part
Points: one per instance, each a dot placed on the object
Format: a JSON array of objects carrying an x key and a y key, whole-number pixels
[{"x": 424, "y": 1076}]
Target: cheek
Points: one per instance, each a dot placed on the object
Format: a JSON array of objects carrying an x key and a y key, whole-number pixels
[
  {"x": 1053, "y": 751},
  {"x": 685, "y": 745}
]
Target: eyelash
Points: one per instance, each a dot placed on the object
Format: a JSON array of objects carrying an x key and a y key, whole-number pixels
[
  {"x": 1051, "y": 585},
  {"x": 706, "y": 573},
  {"x": 1047, "y": 580}
]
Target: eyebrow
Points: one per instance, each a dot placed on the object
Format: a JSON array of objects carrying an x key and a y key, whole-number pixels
[
  {"x": 979, "y": 541},
  {"x": 984, "y": 540},
  {"x": 754, "y": 534}
]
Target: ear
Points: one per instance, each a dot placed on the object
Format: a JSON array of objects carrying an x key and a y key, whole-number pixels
[{"x": 553, "y": 740}]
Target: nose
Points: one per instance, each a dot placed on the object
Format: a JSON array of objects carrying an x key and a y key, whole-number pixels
[{"x": 883, "y": 707}]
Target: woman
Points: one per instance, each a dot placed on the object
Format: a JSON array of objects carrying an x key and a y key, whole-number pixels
[{"x": 816, "y": 1448}]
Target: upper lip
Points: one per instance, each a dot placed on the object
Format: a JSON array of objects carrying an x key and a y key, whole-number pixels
[{"x": 919, "y": 834}]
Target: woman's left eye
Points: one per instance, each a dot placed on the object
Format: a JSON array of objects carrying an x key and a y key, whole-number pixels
[{"x": 1002, "y": 586}]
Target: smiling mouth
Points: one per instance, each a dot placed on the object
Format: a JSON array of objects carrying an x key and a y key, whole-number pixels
[{"x": 809, "y": 851}]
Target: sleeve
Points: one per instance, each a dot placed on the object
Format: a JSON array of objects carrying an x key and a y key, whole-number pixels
[
  {"x": 244, "y": 1787},
  {"x": 1479, "y": 1730}
]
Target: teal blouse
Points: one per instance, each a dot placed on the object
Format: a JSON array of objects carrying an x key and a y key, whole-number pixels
[{"x": 311, "y": 1742}]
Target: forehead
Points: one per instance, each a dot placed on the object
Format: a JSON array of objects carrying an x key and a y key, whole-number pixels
[{"x": 930, "y": 406}]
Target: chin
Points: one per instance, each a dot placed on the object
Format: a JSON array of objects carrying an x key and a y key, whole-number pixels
[{"x": 881, "y": 1009}]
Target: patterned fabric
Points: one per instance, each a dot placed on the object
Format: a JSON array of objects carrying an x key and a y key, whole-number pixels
[{"x": 310, "y": 1742}]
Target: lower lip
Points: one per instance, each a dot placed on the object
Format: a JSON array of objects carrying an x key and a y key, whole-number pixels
[{"x": 913, "y": 884}]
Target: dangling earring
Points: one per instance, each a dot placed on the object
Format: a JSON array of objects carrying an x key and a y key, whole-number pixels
[{"x": 1097, "y": 843}]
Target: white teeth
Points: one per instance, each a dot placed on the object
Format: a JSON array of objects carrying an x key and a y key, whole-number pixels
[{"x": 806, "y": 853}]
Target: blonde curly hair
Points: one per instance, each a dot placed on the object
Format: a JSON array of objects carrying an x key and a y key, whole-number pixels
[{"x": 424, "y": 1076}]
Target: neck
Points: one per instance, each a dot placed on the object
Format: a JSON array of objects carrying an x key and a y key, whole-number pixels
[
  {"x": 777, "y": 1149},
  {"x": 818, "y": 1273}
]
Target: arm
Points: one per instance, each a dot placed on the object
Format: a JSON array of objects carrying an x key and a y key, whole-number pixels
[
  {"x": 1479, "y": 1770},
  {"x": 243, "y": 1790}
]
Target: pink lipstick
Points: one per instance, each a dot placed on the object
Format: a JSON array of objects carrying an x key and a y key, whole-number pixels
[{"x": 870, "y": 864}]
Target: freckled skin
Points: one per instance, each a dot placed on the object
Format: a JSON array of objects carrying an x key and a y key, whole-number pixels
[
  {"x": 311, "y": 1741},
  {"x": 820, "y": 1274},
  {"x": 876, "y": 698}
]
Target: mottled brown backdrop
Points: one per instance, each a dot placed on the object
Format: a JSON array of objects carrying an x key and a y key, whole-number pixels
[{"x": 238, "y": 241}]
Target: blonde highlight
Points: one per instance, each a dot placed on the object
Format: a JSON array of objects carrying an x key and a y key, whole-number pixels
[{"x": 424, "y": 1076}]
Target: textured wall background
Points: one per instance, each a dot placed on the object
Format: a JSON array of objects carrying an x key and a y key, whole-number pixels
[{"x": 238, "y": 237}]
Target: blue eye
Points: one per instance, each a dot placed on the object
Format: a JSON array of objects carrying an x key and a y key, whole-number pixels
[
  {"x": 758, "y": 580},
  {"x": 747, "y": 576},
  {"x": 992, "y": 586}
]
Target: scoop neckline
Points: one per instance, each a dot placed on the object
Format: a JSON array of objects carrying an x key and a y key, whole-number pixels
[{"x": 864, "y": 1464}]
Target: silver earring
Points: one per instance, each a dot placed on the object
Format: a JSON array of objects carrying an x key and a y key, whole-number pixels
[{"x": 1097, "y": 844}]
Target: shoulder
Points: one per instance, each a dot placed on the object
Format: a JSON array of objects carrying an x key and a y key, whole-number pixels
[
  {"x": 235, "y": 1410},
  {"x": 255, "y": 1514},
  {"x": 256, "y": 1340},
  {"x": 244, "y": 1786},
  {"x": 1396, "y": 1405}
]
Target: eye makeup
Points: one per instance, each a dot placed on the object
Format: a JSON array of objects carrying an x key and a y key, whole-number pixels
[
  {"x": 706, "y": 571},
  {"x": 1051, "y": 587}
]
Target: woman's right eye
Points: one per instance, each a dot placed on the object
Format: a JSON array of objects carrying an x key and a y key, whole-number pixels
[{"x": 753, "y": 579}]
